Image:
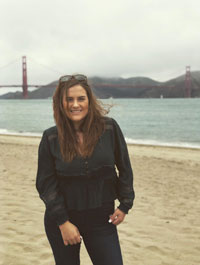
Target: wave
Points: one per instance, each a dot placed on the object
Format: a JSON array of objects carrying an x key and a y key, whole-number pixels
[
  {"x": 9, "y": 132},
  {"x": 128, "y": 140},
  {"x": 159, "y": 143}
]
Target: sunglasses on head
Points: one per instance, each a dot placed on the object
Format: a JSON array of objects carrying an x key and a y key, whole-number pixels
[{"x": 78, "y": 77}]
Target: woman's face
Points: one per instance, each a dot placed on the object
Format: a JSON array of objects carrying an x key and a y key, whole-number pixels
[{"x": 76, "y": 104}]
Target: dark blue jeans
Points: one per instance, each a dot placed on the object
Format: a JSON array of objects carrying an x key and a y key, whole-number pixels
[{"x": 99, "y": 236}]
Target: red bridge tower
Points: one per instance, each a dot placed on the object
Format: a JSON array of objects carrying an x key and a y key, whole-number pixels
[
  {"x": 188, "y": 82},
  {"x": 24, "y": 78}
]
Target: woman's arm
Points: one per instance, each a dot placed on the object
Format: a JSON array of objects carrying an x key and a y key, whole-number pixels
[
  {"x": 47, "y": 184},
  {"x": 125, "y": 188}
]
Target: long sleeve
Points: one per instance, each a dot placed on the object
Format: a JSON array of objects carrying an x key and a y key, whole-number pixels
[
  {"x": 47, "y": 183},
  {"x": 125, "y": 188}
]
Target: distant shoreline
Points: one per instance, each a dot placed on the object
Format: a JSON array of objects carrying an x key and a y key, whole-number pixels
[{"x": 132, "y": 87}]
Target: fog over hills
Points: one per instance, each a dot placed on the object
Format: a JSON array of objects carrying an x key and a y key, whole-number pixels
[{"x": 134, "y": 87}]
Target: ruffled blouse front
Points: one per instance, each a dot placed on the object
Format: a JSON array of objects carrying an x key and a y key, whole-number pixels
[
  {"x": 87, "y": 192},
  {"x": 85, "y": 183}
]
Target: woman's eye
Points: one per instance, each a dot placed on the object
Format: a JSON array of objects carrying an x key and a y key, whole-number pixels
[
  {"x": 81, "y": 99},
  {"x": 78, "y": 99}
]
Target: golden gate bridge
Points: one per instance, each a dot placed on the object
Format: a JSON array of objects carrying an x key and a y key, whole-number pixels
[{"x": 25, "y": 84}]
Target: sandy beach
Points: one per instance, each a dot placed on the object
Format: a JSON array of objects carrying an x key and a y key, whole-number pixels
[{"x": 163, "y": 227}]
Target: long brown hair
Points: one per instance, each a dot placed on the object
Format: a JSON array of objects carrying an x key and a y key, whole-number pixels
[{"x": 92, "y": 127}]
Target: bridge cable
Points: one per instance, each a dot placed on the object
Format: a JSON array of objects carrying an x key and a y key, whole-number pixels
[
  {"x": 45, "y": 66},
  {"x": 12, "y": 62}
]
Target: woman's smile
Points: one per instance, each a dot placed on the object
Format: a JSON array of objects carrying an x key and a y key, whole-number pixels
[{"x": 75, "y": 111}]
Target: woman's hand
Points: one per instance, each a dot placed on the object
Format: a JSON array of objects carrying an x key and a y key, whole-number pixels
[
  {"x": 70, "y": 234},
  {"x": 117, "y": 217}
]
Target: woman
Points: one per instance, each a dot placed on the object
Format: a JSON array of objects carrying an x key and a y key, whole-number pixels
[{"x": 77, "y": 179}]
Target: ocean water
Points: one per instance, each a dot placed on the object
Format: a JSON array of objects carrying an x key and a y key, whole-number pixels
[{"x": 171, "y": 122}]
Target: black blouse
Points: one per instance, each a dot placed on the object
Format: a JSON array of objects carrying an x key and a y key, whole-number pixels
[{"x": 85, "y": 183}]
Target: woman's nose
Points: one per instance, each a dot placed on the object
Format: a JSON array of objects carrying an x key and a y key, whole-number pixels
[{"x": 75, "y": 103}]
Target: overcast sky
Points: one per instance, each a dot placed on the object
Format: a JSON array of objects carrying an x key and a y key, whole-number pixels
[{"x": 112, "y": 38}]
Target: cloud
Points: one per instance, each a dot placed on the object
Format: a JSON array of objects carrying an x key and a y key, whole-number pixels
[{"x": 154, "y": 38}]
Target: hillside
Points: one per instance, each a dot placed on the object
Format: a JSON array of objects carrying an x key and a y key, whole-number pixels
[{"x": 134, "y": 87}]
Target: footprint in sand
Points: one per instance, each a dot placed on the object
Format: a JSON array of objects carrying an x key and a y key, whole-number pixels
[{"x": 156, "y": 249}]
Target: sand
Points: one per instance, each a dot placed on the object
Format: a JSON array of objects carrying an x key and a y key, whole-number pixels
[{"x": 163, "y": 227}]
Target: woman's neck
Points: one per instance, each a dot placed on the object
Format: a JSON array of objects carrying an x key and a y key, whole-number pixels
[{"x": 77, "y": 126}]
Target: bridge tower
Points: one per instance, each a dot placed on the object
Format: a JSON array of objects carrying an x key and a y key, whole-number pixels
[
  {"x": 188, "y": 82},
  {"x": 24, "y": 78}
]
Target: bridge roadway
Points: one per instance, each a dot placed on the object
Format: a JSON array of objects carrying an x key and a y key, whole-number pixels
[
  {"x": 21, "y": 86},
  {"x": 102, "y": 85}
]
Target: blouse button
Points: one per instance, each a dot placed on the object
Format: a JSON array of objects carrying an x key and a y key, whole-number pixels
[{"x": 86, "y": 167}]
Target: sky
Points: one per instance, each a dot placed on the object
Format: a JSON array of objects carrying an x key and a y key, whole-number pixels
[{"x": 109, "y": 38}]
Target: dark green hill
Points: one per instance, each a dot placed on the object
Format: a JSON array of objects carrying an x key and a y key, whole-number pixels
[{"x": 135, "y": 87}]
